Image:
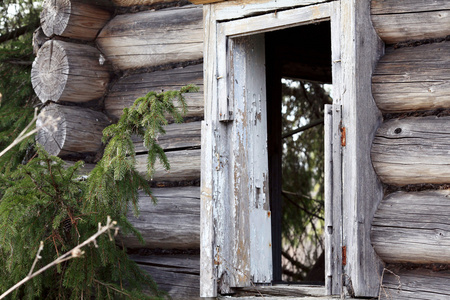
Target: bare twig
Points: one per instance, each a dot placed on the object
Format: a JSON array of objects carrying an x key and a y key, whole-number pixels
[
  {"x": 22, "y": 135},
  {"x": 74, "y": 253},
  {"x": 381, "y": 283}
]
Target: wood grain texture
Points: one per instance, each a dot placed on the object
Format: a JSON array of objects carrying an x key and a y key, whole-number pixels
[
  {"x": 152, "y": 38},
  {"x": 361, "y": 48},
  {"x": 70, "y": 72},
  {"x": 184, "y": 165},
  {"x": 379, "y": 7},
  {"x": 409, "y": 79},
  {"x": 413, "y": 228},
  {"x": 138, "y": 2},
  {"x": 400, "y": 21},
  {"x": 178, "y": 136},
  {"x": 68, "y": 130},
  {"x": 412, "y": 151},
  {"x": 176, "y": 274},
  {"x": 237, "y": 9},
  {"x": 416, "y": 284},
  {"x": 73, "y": 19},
  {"x": 173, "y": 223},
  {"x": 129, "y": 88}
]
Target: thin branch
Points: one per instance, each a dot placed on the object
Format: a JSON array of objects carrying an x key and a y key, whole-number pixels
[
  {"x": 19, "y": 31},
  {"x": 22, "y": 135},
  {"x": 301, "y": 207},
  {"x": 303, "y": 128},
  {"x": 74, "y": 253}
]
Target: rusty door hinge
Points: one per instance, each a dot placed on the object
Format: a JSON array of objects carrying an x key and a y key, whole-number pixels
[
  {"x": 344, "y": 255},
  {"x": 343, "y": 137}
]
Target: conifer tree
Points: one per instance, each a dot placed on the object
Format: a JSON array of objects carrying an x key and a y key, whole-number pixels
[{"x": 45, "y": 200}]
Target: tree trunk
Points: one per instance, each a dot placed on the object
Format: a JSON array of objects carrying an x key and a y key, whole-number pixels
[
  {"x": 129, "y": 88},
  {"x": 412, "y": 151},
  {"x": 413, "y": 228},
  {"x": 69, "y": 130},
  {"x": 70, "y": 72},
  {"x": 409, "y": 79},
  {"x": 399, "y": 20},
  {"x": 153, "y": 38},
  {"x": 73, "y": 19}
]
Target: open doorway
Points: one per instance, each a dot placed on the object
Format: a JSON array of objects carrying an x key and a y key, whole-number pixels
[{"x": 298, "y": 76}]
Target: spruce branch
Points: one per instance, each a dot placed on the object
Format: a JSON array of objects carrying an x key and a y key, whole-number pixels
[{"x": 74, "y": 253}]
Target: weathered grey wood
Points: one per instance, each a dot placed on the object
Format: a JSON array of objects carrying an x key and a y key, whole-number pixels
[
  {"x": 83, "y": 171},
  {"x": 362, "y": 191},
  {"x": 418, "y": 284},
  {"x": 409, "y": 79},
  {"x": 229, "y": 10},
  {"x": 39, "y": 38},
  {"x": 67, "y": 130},
  {"x": 185, "y": 135},
  {"x": 333, "y": 200},
  {"x": 173, "y": 223},
  {"x": 184, "y": 165},
  {"x": 176, "y": 274},
  {"x": 413, "y": 228},
  {"x": 73, "y": 18},
  {"x": 152, "y": 38},
  {"x": 399, "y": 21},
  {"x": 296, "y": 290},
  {"x": 138, "y": 2},
  {"x": 379, "y": 7},
  {"x": 70, "y": 72},
  {"x": 129, "y": 88},
  {"x": 208, "y": 275},
  {"x": 413, "y": 151}
]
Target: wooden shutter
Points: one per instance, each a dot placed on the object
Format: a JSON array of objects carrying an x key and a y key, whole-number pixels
[{"x": 240, "y": 237}]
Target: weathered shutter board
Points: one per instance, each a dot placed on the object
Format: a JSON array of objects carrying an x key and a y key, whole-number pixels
[
  {"x": 333, "y": 200},
  {"x": 362, "y": 191}
]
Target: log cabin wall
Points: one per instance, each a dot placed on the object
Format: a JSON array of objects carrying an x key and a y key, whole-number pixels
[
  {"x": 95, "y": 58},
  {"x": 410, "y": 152}
]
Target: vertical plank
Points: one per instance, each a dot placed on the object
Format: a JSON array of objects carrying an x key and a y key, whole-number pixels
[
  {"x": 362, "y": 191},
  {"x": 259, "y": 206},
  {"x": 333, "y": 200},
  {"x": 208, "y": 277}
]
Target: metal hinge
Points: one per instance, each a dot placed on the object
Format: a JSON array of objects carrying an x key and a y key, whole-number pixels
[
  {"x": 343, "y": 137},
  {"x": 344, "y": 255}
]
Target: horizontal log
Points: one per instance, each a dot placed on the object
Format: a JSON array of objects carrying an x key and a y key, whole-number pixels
[
  {"x": 152, "y": 38},
  {"x": 418, "y": 284},
  {"x": 413, "y": 151},
  {"x": 70, "y": 72},
  {"x": 179, "y": 275},
  {"x": 409, "y": 79},
  {"x": 73, "y": 19},
  {"x": 413, "y": 228},
  {"x": 399, "y": 21},
  {"x": 70, "y": 130},
  {"x": 129, "y": 88},
  {"x": 184, "y": 166},
  {"x": 173, "y": 223},
  {"x": 178, "y": 136}
]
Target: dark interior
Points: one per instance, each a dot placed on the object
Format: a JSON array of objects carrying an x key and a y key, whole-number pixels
[{"x": 302, "y": 52}]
